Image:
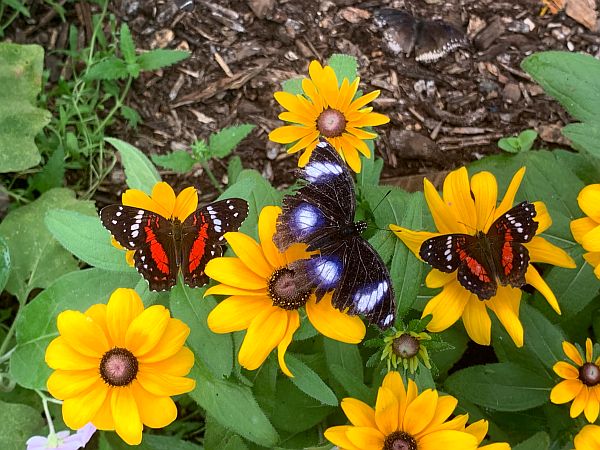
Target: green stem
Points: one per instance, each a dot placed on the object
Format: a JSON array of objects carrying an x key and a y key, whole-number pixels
[
  {"x": 10, "y": 332},
  {"x": 46, "y": 411},
  {"x": 211, "y": 177}
]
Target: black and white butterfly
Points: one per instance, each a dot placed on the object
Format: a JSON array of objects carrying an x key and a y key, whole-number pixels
[
  {"x": 431, "y": 40},
  {"x": 321, "y": 214}
]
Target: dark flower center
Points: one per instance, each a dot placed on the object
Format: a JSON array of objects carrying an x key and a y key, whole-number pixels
[
  {"x": 331, "y": 123},
  {"x": 406, "y": 346},
  {"x": 589, "y": 374},
  {"x": 399, "y": 440},
  {"x": 118, "y": 367},
  {"x": 284, "y": 291}
]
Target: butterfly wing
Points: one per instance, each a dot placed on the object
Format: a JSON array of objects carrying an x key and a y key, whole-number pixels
[
  {"x": 400, "y": 33},
  {"x": 464, "y": 253},
  {"x": 436, "y": 39},
  {"x": 202, "y": 236},
  {"x": 506, "y": 236},
  {"x": 318, "y": 209},
  {"x": 150, "y": 235}
]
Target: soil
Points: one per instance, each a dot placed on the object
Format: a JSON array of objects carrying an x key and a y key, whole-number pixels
[{"x": 442, "y": 114}]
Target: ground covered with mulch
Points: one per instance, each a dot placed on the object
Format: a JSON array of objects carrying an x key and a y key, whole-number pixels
[{"x": 442, "y": 114}]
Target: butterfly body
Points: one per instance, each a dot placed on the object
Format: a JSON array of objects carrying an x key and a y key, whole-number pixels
[
  {"x": 165, "y": 246},
  {"x": 321, "y": 215},
  {"x": 486, "y": 259}
]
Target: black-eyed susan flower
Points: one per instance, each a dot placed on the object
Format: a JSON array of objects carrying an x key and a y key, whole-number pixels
[
  {"x": 405, "y": 348},
  {"x": 116, "y": 365},
  {"x": 588, "y": 438},
  {"x": 330, "y": 110},
  {"x": 479, "y": 429},
  {"x": 468, "y": 207},
  {"x": 586, "y": 230},
  {"x": 581, "y": 383},
  {"x": 264, "y": 300},
  {"x": 162, "y": 201},
  {"x": 403, "y": 419}
]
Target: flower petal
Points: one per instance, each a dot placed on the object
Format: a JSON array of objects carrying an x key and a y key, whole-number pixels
[
  {"x": 437, "y": 279},
  {"x": 533, "y": 278},
  {"x": 139, "y": 199},
  {"x": 580, "y": 227},
  {"x": 505, "y": 305},
  {"x": 363, "y": 100},
  {"x": 511, "y": 191},
  {"x": 350, "y": 155},
  {"x": 103, "y": 420},
  {"x": 236, "y": 313},
  {"x": 128, "y": 424},
  {"x": 542, "y": 217},
  {"x": 326, "y": 82},
  {"x": 357, "y": 144},
  {"x": 477, "y": 321},
  {"x": 367, "y": 119},
  {"x": 155, "y": 412},
  {"x": 589, "y": 201},
  {"x": 453, "y": 439},
  {"x": 308, "y": 141},
  {"x": 565, "y": 391},
  {"x": 162, "y": 384},
  {"x": 60, "y": 355},
  {"x": 457, "y": 195},
  {"x": 540, "y": 250},
  {"x": 79, "y": 410},
  {"x": 178, "y": 365},
  {"x": 63, "y": 384},
  {"x": 347, "y": 93},
  {"x": 359, "y": 413},
  {"x": 265, "y": 332},
  {"x": 592, "y": 407},
  {"x": 292, "y": 103},
  {"x": 572, "y": 353},
  {"x": 233, "y": 271},
  {"x": 446, "y": 405},
  {"x": 579, "y": 402},
  {"x": 289, "y": 133},
  {"x": 420, "y": 412},
  {"x": 250, "y": 253},
  {"x": 365, "y": 438},
  {"x": 588, "y": 438},
  {"x": 565, "y": 370},
  {"x": 393, "y": 382},
  {"x": 485, "y": 191},
  {"x": 446, "y": 307},
  {"x": 224, "y": 289},
  {"x": 386, "y": 411},
  {"x": 412, "y": 239},
  {"x": 146, "y": 330},
  {"x": 333, "y": 323},
  {"x": 164, "y": 195},
  {"x": 337, "y": 436},
  {"x": 82, "y": 333},
  {"x": 589, "y": 350},
  {"x": 442, "y": 214},
  {"x": 185, "y": 203},
  {"x": 123, "y": 306},
  {"x": 292, "y": 326},
  {"x": 267, "y": 224},
  {"x": 169, "y": 344},
  {"x": 591, "y": 240}
]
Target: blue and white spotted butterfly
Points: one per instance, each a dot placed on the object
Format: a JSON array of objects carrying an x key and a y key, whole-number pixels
[{"x": 321, "y": 215}]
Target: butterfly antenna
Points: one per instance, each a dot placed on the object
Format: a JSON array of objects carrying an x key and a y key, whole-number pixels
[{"x": 381, "y": 201}]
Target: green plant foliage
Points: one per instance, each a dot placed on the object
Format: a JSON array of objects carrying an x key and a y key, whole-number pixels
[
  {"x": 4, "y": 263},
  {"x": 522, "y": 143},
  {"x": 20, "y": 118},
  {"x": 140, "y": 172},
  {"x": 17, "y": 424},
  {"x": 178, "y": 161},
  {"x": 344, "y": 66}
]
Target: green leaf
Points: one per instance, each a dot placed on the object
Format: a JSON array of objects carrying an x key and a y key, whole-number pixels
[
  {"x": 215, "y": 350},
  {"x": 584, "y": 137},
  {"x": 112, "y": 68},
  {"x": 4, "y": 263},
  {"x": 571, "y": 78},
  {"x": 293, "y": 86},
  {"x": 179, "y": 161},
  {"x": 370, "y": 172},
  {"x": 85, "y": 237},
  {"x": 542, "y": 338},
  {"x": 37, "y": 259},
  {"x": 36, "y": 326},
  {"x": 140, "y": 172},
  {"x": 126, "y": 44},
  {"x": 501, "y": 386},
  {"x": 234, "y": 168},
  {"x": 131, "y": 116},
  {"x": 352, "y": 385},
  {"x": 309, "y": 382},
  {"x": 222, "y": 143},
  {"x": 17, "y": 424},
  {"x": 521, "y": 143},
  {"x": 17, "y": 5},
  {"x": 234, "y": 407},
  {"x": 149, "y": 442},
  {"x": 217, "y": 437},
  {"x": 344, "y": 66},
  {"x": 156, "y": 59},
  {"x": 539, "y": 441},
  {"x": 20, "y": 120},
  {"x": 52, "y": 174}
]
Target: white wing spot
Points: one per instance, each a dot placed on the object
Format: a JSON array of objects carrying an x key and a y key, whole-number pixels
[
  {"x": 217, "y": 222},
  {"x": 135, "y": 226},
  {"x": 135, "y": 234},
  {"x": 114, "y": 222}
]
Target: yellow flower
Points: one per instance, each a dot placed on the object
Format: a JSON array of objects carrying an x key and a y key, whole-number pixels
[
  {"x": 117, "y": 365},
  {"x": 586, "y": 230},
  {"x": 479, "y": 430},
  {"x": 588, "y": 438},
  {"x": 403, "y": 418},
  {"x": 581, "y": 382},
  {"x": 162, "y": 201},
  {"x": 467, "y": 207},
  {"x": 263, "y": 298},
  {"x": 329, "y": 110}
]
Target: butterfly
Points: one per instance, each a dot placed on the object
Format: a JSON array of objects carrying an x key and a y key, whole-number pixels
[
  {"x": 431, "y": 40},
  {"x": 163, "y": 246},
  {"x": 321, "y": 214},
  {"x": 485, "y": 259}
]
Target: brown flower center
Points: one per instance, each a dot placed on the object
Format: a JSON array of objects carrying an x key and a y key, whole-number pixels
[
  {"x": 331, "y": 123},
  {"x": 406, "y": 346},
  {"x": 284, "y": 292},
  {"x": 589, "y": 374},
  {"x": 118, "y": 367},
  {"x": 399, "y": 440}
]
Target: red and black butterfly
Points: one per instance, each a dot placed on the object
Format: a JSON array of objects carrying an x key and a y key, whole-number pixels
[
  {"x": 485, "y": 259},
  {"x": 162, "y": 246}
]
